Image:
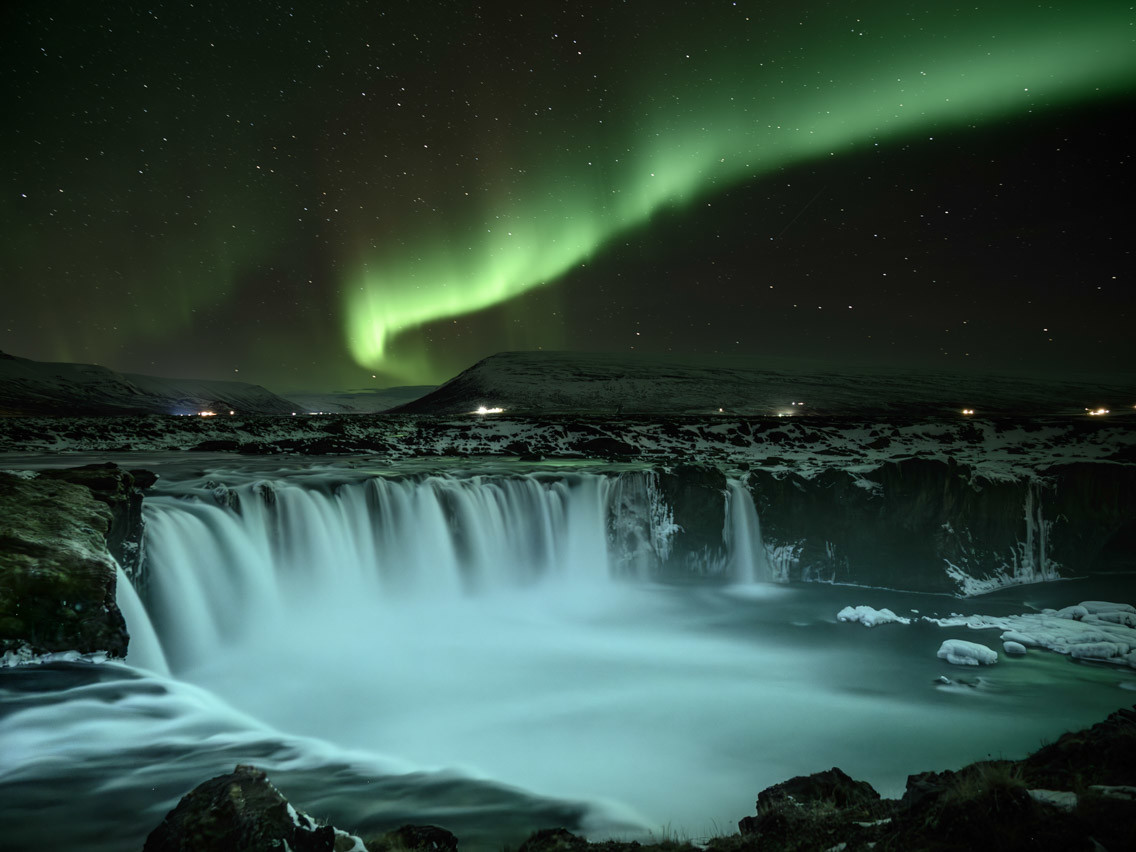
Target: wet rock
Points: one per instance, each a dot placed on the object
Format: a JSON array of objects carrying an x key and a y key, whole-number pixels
[
  {"x": 57, "y": 578},
  {"x": 120, "y": 490},
  {"x": 239, "y": 811},
  {"x": 696, "y": 494},
  {"x": 817, "y": 811},
  {"x": 427, "y": 838},
  {"x": 553, "y": 840}
]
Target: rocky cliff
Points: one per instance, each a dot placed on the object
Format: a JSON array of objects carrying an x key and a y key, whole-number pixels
[{"x": 60, "y": 534}]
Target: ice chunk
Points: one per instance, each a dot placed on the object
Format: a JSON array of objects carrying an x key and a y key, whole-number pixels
[
  {"x": 1097, "y": 607},
  {"x": 1014, "y": 649},
  {"x": 1074, "y": 612},
  {"x": 962, "y": 653},
  {"x": 870, "y": 617},
  {"x": 1098, "y": 650}
]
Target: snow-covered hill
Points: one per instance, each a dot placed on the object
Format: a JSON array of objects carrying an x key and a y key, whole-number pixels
[
  {"x": 598, "y": 383},
  {"x": 361, "y": 401},
  {"x": 38, "y": 387}
]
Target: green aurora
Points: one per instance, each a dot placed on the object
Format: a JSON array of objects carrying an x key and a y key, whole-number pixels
[{"x": 701, "y": 121}]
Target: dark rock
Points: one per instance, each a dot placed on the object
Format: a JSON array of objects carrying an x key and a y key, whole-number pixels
[
  {"x": 606, "y": 447},
  {"x": 118, "y": 489},
  {"x": 917, "y": 515},
  {"x": 832, "y": 785},
  {"x": 1102, "y": 754},
  {"x": 553, "y": 840},
  {"x": 216, "y": 446},
  {"x": 238, "y": 811},
  {"x": 696, "y": 494},
  {"x": 783, "y": 808},
  {"x": 426, "y": 838},
  {"x": 143, "y": 479},
  {"x": 57, "y": 578}
]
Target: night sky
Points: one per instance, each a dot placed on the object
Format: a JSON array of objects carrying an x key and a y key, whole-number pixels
[{"x": 361, "y": 194}]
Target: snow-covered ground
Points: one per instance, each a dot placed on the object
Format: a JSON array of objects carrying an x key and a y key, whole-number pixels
[{"x": 993, "y": 449}]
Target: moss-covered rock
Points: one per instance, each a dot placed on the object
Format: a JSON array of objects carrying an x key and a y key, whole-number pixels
[{"x": 57, "y": 578}]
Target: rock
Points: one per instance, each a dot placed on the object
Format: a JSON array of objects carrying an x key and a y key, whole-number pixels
[
  {"x": 57, "y": 578},
  {"x": 697, "y": 496},
  {"x": 819, "y": 811},
  {"x": 242, "y": 811},
  {"x": 120, "y": 490},
  {"x": 553, "y": 840},
  {"x": 428, "y": 838}
]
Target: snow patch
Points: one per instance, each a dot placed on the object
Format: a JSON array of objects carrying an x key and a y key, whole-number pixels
[
  {"x": 870, "y": 617},
  {"x": 959, "y": 652}
]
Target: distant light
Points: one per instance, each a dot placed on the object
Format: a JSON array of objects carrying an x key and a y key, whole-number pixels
[
  {"x": 207, "y": 413},
  {"x": 720, "y": 410},
  {"x": 481, "y": 409},
  {"x": 968, "y": 411},
  {"x": 293, "y": 413},
  {"x": 232, "y": 412},
  {"x": 1096, "y": 412}
]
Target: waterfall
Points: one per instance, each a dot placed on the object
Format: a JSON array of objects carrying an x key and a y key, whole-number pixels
[
  {"x": 742, "y": 533},
  {"x": 145, "y": 651},
  {"x": 227, "y": 562}
]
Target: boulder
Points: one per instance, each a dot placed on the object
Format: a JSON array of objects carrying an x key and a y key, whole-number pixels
[{"x": 242, "y": 810}]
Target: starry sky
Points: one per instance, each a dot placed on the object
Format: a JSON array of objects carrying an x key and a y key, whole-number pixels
[{"x": 341, "y": 195}]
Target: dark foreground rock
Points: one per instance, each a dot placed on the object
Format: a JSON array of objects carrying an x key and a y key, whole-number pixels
[
  {"x": 57, "y": 578},
  {"x": 242, "y": 810},
  {"x": 1078, "y": 793}
]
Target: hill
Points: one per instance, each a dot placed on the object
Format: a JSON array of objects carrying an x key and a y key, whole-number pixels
[
  {"x": 37, "y": 387},
  {"x": 599, "y": 383}
]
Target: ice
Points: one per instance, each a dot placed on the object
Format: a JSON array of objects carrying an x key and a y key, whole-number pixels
[
  {"x": 1090, "y": 630},
  {"x": 959, "y": 652},
  {"x": 870, "y": 617},
  {"x": 1014, "y": 649},
  {"x": 1098, "y": 607}
]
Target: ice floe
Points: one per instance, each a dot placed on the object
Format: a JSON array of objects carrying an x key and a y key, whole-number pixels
[
  {"x": 959, "y": 652},
  {"x": 870, "y": 617}
]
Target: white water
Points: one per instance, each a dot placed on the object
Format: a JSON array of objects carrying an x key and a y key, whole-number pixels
[
  {"x": 490, "y": 623},
  {"x": 360, "y": 631}
]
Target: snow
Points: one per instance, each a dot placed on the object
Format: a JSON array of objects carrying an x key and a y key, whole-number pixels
[
  {"x": 1076, "y": 631},
  {"x": 1106, "y": 607},
  {"x": 870, "y": 617},
  {"x": 959, "y": 652},
  {"x": 1014, "y": 649},
  {"x": 1063, "y": 800}
]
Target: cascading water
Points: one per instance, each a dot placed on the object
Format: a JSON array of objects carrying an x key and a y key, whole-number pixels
[
  {"x": 256, "y": 557},
  {"x": 349, "y": 631}
]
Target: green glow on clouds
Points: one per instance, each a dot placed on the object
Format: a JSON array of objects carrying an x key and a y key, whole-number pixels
[{"x": 733, "y": 117}]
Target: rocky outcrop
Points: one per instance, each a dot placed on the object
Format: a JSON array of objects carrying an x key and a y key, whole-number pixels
[
  {"x": 242, "y": 810},
  {"x": 695, "y": 496},
  {"x": 121, "y": 491},
  {"x": 1076, "y": 794},
  {"x": 57, "y": 578},
  {"x": 927, "y": 525}
]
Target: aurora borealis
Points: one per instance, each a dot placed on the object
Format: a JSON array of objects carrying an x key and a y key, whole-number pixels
[{"x": 349, "y": 194}]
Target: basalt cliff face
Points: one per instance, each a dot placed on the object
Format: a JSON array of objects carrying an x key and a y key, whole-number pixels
[
  {"x": 955, "y": 504},
  {"x": 926, "y": 525},
  {"x": 62, "y": 535}
]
